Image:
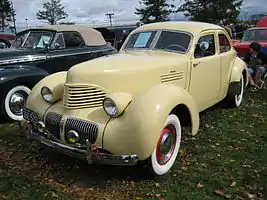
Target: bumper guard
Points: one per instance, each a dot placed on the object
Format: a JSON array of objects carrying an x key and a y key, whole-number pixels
[{"x": 90, "y": 154}]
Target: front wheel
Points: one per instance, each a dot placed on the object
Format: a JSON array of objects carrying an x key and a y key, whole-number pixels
[
  {"x": 168, "y": 145},
  {"x": 14, "y": 101},
  {"x": 236, "y": 93}
]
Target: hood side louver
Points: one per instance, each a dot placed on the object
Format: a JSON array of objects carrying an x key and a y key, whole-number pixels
[{"x": 171, "y": 76}]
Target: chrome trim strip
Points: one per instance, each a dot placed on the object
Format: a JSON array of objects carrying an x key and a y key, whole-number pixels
[
  {"x": 78, "y": 53},
  {"x": 38, "y": 58},
  {"x": 23, "y": 59}
]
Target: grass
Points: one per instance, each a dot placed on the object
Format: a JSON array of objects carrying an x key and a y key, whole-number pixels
[{"x": 226, "y": 160}]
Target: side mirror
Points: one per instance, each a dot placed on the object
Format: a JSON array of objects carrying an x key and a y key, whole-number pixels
[{"x": 204, "y": 46}]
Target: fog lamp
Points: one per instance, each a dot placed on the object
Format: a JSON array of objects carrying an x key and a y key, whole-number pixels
[{"x": 73, "y": 137}]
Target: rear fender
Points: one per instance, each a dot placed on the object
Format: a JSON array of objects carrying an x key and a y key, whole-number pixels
[{"x": 239, "y": 69}]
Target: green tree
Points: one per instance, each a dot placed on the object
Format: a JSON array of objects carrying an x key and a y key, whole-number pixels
[
  {"x": 154, "y": 10},
  {"x": 5, "y": 13},
  {"x": 53, "y": 12},
  {"x": 213, "y": 11}
]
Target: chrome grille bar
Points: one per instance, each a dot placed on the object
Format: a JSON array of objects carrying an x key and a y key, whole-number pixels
[
  {"x": 86, "y": 130},
  {"x": 82, "y": 96}
]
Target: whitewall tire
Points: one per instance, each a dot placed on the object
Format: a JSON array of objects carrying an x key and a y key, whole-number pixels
[
  {"x": 235, "y": 93},
  {"x": 168, "y": 145},
  {"x": 239, "y": 97},
  {"x": 14, "y": 100}
]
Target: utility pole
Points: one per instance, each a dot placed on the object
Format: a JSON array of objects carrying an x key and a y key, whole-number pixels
[
  {"x": 13, "y": 16},
  {"x": 26, "y": 20},
  {"x": 110, "y": 17}
]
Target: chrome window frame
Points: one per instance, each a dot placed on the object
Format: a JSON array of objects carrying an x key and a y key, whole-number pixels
[
  {"x": 51, "y": 40},
  {"x": 54, "y": 41}
]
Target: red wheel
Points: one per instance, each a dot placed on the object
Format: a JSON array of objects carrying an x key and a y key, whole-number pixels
[{"x": 166, "y": 145}]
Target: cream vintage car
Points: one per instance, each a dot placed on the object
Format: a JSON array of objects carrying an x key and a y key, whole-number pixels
[{"x": 133, "y": 106}]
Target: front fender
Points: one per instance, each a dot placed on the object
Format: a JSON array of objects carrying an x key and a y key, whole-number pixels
[
  {"x": 237, "y": 70},
  {"x": 137, "y": 130},
  {"x": 35, "y": 101},
  {"x": 21, "y": 74}
]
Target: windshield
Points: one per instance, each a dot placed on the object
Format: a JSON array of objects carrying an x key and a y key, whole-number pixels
[
  {"x": 142, "y": 40},
  {"x": 33, "y": 40},
  {"x": 255, "y": 35},
  {"x": 168, "y": 40}
]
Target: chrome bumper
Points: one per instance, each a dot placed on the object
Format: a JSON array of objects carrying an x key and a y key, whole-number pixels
[{"x": 90, "y": 154}]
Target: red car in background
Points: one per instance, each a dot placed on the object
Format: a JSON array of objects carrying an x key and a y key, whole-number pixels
[
  {"x": 6, "y": 40},
  {"x": 256, "y": 34}
]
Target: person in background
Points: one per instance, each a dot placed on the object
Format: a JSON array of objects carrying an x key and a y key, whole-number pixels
[{"x": 257, "y": 65}]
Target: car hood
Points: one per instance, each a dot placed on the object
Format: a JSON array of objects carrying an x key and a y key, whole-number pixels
[
  {"x": 13, "y": 56},
  {"x": 129, "y": 72}
]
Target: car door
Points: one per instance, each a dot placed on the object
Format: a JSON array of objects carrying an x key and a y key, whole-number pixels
[
  {"x": 227, "y": 57},
  {"x": 67, "y": 50},
  {"x": 205, "y": 72}
]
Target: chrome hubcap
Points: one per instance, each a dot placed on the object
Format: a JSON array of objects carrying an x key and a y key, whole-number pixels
[
  {"x": 166, "y": 145},
  {"x": 17, "y": 102}
]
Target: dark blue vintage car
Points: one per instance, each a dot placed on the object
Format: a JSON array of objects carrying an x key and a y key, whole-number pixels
[{"x": 39, "y": 52}]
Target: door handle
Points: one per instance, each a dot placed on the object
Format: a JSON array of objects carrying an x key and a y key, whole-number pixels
[{"x": 196, "y": 64}]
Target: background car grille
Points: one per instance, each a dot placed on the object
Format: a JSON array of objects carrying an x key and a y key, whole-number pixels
[
  {"x": 82, "y": 96},
  {"x": 30, "y": 116},
  {"x": 52, "y": 122},
  {"x": 86, "y": 130}
]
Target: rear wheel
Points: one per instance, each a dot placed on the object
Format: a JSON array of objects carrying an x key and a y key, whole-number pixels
[
  {"x": 235, "y": 93},
  {"x": 14, "y": 101},
  {"x": 166, "y": 151}
]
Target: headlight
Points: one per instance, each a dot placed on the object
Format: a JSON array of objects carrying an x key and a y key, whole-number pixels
[
  {"x": 47, "y": 94},
  {"x": 114, "y": 104},
  {"x": 110, "y": 107}
]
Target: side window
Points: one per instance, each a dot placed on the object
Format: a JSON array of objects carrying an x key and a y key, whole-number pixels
[
  {"x": 73, "y": 39},
  {"x": 224, "y": 43},
  {"x": 59, "y": 42},
  {"x": 205, "y": 46}
]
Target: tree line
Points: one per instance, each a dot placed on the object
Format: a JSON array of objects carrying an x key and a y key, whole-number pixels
[{"x": 212, "y": 11}]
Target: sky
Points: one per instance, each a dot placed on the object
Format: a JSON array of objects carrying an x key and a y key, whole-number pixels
[{"x": 93, "y": 11}]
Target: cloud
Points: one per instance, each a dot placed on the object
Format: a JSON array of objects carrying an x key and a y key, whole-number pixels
[{"x": 89, "y": 11}]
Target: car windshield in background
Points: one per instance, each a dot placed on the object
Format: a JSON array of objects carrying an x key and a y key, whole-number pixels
[
  {"x": 168, "y": 40},
  {"x": 33, "y": 40},
  {"x": 255, "y": 35}
]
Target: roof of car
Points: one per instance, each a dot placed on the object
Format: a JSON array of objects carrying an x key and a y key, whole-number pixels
[
  {"x": 187, "y": 26},
  {"x": 91, "y": 36}
]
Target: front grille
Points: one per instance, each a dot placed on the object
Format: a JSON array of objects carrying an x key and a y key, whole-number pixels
[
  {"x": 52, "y": 122},
  {"x": 83, "y": 96},
  {"x": 30, "y": 115},
  {"x": 86, "y": 130}
]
